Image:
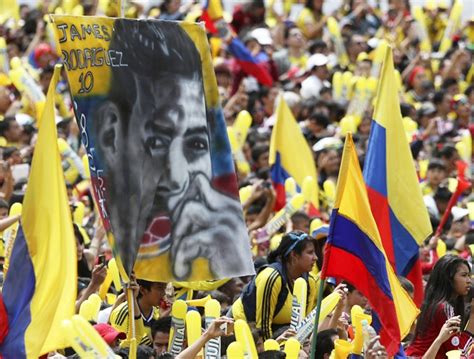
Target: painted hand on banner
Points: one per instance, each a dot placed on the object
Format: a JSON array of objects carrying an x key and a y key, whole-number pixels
[{"x": 206, "y": 224}]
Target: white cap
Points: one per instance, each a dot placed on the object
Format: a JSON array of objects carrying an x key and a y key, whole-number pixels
[
  {"x": 262, "y": 35},
  {"x": 459, "y": 213},
  {"x": 24, "y": 119},
  {"x": 327, "y": 142},
  {"x": 316, "y": 60}
]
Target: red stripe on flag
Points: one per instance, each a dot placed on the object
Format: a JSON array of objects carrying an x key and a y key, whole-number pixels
[{"x": 344, "y": 265}]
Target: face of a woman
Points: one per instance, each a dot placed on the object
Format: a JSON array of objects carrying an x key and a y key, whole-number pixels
[
  {"x": 462, "y": 280},
  {"x": 307, "y": 258}
]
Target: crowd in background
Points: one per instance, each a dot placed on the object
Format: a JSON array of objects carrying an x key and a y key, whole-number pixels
[{"x": 293, "y": 42}]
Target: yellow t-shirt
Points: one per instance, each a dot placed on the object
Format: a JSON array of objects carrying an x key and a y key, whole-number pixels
[
  {"x": 119, "y": 319},
  {"x": 269, "y": 284}
]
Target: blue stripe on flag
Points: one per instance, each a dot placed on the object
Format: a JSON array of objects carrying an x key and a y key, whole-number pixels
[{"x": 18, "y": 291}]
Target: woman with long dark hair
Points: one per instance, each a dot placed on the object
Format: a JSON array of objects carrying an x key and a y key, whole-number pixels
[
  {"x": 267, "y": 299},
  {"x": 443, "y": 310}
]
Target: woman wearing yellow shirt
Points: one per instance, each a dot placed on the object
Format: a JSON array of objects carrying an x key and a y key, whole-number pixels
[
  {"x": 267, "y": 299},
  {"x": 311, "y": 19}
]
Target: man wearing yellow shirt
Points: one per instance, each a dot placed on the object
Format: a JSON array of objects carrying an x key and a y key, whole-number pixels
[{"x": 148, "y": 298}]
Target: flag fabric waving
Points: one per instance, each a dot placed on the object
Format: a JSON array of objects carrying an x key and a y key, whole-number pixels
[
  {"x": 290, "y": 154},
  {"x": 40, "y": 287},
  {"x": 354, "y": 252},
  {"x": 392, "y": 185},
  {"x": 211, "y": 12},
  {"x": 249, "y": 63}
]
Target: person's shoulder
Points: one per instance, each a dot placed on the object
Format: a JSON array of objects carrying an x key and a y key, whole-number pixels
[
  {"x": 119, "y": 314},
  {"x": 269, "y": 274}
]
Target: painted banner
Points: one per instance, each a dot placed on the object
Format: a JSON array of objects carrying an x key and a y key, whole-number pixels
[{"x": 146, "y": 100}]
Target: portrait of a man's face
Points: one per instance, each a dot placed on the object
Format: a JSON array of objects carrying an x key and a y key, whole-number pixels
[{"x": 155, "y": 139}]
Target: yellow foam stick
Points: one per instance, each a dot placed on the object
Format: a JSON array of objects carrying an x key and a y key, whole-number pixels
[
  {"x": 423, "y": 168},
  {"x": 315, "y": 224},
  {"x": 27, "y": 85},
  {"x": 96, "y": 302},
  {"x": 467, "y": 140},
  {"x": 78, "y": 214},
  {"x": 454, "y": 354},
  {"x": 104, "y": 287},
  {"x": 280, "y": 218},
  {"x": 110, "y": 298},
  {"x": 441, "y": 249},
  {"x": 357, "y": 98},
  {"x": 308, "y": 188},
  {"x": 242, "y": 164},
  {"x": 347, "y": 85},
  {"x": 451, "y": 27},
  {"x": 306, "y": 327},
  {"x": 198, "y": 302},
  {"x": 241, "y": 126},
  {"x": 9, "y": 235},
  {"x": 74, "y": 340},
  {"x": 244, "y": 336},
  {"x": 372, "y": 87},
  {"x": 336, "y": 37},
  {"x": 115, "y": 274},
  {"x": 330, "y": 189},
  {"x": 342, "y": 349},
  {"x": 178, "y": 314},
  {"x": 4, "y": 63},
  {"x": 193, "y": 328},
  {"x": 470, "y": 207},
  {"x": 290, "y": 188},
  {"x": 348, "y": 125},
  {"x": 244, "y": 193},
  {"x": 271, "y": 344},
  {"x": 292, "y": 348},
  {"x": 212, "y": 310},
  {"x": 85, "y": 163},
  {"x": 360, "y": 99},
  {"x": 68, "y": 5},
  {"x": 425, "y": 44},
  {"x": 378, "y": 58},
  {"x": 298, "y": 310},
  {"x": 462, "y": 150},
  {"x": 91, "y": 337},
  {"x": 85, "y": 310},
  {"x": 337, "y": 85},
  {"x": 78, "y": 10},
  {"x": 235, "y": 351},
  {"x": 357, "y": 316}
]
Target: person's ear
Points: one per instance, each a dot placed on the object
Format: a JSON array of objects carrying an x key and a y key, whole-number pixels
[
  {"x": 293, "y": 257},
  {"x": 110, "y": 131}
]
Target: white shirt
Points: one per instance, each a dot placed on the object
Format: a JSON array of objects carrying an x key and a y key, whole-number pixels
[{"x": 311, "y": 87}]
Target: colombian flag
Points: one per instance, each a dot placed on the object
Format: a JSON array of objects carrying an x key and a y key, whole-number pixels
[
  {"x": 211, "y": 11},
  {"x": 250, "y": 64},
  {"x": 392, "y": 184},
  {"x": 40, "y": 287},
  {"x": 290, "y": 154},
  {"x": 355, "y": 253}
]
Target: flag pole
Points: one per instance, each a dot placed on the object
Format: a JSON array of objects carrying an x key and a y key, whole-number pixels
[
  {"x": 122, "y": 8},
  {"x": 131, "y": 335},
  {"x": 322, "y": 282}
]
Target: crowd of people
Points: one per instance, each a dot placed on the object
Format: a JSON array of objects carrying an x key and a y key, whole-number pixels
[{"x": 325, "y": 78}]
